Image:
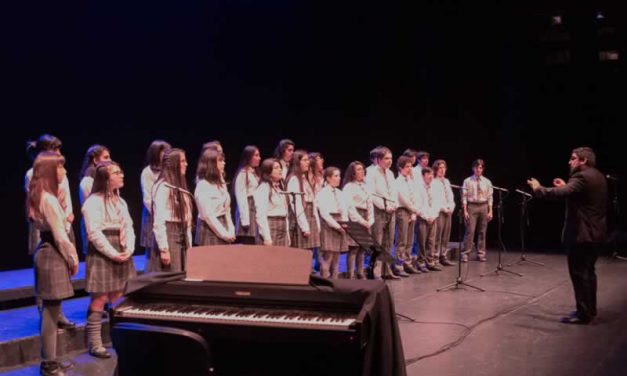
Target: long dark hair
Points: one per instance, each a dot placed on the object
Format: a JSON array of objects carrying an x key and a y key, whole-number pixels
[
  {"x": 45, "y": 142},
  {"x": 44, "y": 179},
  {"x": 94, "y": 151},
  {"x": 295, "y": 170},
  {"x": 311, "y": 174},
  {"x": 171, "y": 173},
  {"x": 349, "y": 175},
  {"x": 245, "y": 161},
  {"x": 102, "y": 174},
  {"x": 153, "y": 154},
  {"x": 208, "y": 167},
  {"x": 266, "y": 168},
  {"x": 281, "y": 147}
]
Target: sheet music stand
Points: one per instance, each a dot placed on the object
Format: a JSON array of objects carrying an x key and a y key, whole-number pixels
[{"x": 366, "y": 241}]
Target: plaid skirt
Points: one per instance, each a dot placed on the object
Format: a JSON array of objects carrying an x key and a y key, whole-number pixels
[
  {"x": 313, "y": 240},
  {"x": 103, "y": 274},
  {"x": 278, "y": 231},
  {"x": 146, "y": 236},
  {"x": 206, "y": 236},
  {"x": 364, "y": 215},
  {"x": 176, "y": 245},
  {"x": 52, "y": 273},
  {"x": 332, "y": 240},
  {"x": 251, "y": 230}
]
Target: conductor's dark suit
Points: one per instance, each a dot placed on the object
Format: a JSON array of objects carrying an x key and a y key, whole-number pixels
[{"x": 584, "y": 231}]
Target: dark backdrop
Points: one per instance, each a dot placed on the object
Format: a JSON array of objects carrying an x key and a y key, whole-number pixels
[{"x": 459, "y": 79}]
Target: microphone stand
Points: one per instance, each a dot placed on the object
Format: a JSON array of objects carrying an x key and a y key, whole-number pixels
[
  {"x": 460, "y": 228},
  {"x": 524, "y": 222},
  {"x": 500, "y": 219}
]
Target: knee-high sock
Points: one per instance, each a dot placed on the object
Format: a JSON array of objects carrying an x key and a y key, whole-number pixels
[
  {"x": 48, "y": 329},
  {"x": 94, "y": 329}
]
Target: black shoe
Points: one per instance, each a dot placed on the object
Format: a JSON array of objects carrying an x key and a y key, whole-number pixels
[
  {"x": 100, "y": 352},
  {"x": 51, "y": 368},
  {"x": 434, "y": 268},
  {"x": 66, "y": 325},
  {"x": 446, "y": 262},
  {"x": 574, "y": 320}
]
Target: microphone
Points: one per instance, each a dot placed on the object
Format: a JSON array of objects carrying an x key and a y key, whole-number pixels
[
  {"x": 523, "y": 193},
  {"x": 611, "y": 177},
  {"x": 177, "y": 188},
  {"x": 500, "y": 189},
  {"x": 457, "y": 186}
]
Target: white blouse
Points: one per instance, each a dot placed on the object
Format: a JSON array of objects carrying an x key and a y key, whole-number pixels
[
  {"x": 444, "y": 194},
  {"x": 148, "y": 179},
  {"x": 84, "y": 188},
  {"x": 213, "y": 202},
  {"x": 406, "y": 187},
  {"x": 332, "y": 201},
  {"x": 269, "y": 203},
  {"x": 382, "y": 183},
  {"x": 164, "y": 213},
  {"x": 243, "y": 190},
  {"x": 357, "y": 197},
  {"x": 54, "y": 220},
  {"x": 100, "y": 215},
  {"x": 294, "y": 186}
]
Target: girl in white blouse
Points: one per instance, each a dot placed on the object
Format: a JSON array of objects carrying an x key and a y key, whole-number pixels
[
  {"x": 246, "y": 182},
  {"x": 149, "y": 175},
  {"x": 111, "y": 245},
  {"x": 56, "y": 259},
  {"x": 214, "y": 225},
  {"x": 360, "y": 210},
  {"x": 94, "y": 155},
  {"x": 172, "y": 210},
  {"x": 307, "y": 234},
  {"x": 283, "y": 153},
  {"x": 271, "y": 205},
  {"x": 334, "y": 214}
]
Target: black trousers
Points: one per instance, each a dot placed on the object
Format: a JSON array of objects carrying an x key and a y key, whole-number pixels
[{"x": 581, "y": 260}]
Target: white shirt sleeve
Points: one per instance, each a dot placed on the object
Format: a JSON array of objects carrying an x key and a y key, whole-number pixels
[
  {"x": 261, "y": 206},
  {"x": 56, "y": 219},
  {"x": 147, "y": 181},
  {"x": 241, "y": 198},
  {"x": 130, "y": 231},
  {"x": 161, "y": 198},
  {"x": 85, "y": 186}
]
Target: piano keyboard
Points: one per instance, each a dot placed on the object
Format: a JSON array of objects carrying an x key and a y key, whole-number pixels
[{"x": 238, "y": 315}]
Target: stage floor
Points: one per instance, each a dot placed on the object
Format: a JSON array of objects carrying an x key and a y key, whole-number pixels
[{"x": 510, "y": 329}]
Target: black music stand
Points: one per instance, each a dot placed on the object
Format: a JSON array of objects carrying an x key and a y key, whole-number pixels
[
  {"x": 500, "y": 220},
  {"x": 460, "y": 227},
  {"x": 524, "y": 222},
  {"x": 367, "y": 242}
]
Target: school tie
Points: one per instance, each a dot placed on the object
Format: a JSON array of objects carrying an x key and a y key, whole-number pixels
[
  {"x": 337, "y": 202},
  {"x": 445, "y": 191},
  {"x": 479, "y": 191},
  {"x": 429, "y": 199}
]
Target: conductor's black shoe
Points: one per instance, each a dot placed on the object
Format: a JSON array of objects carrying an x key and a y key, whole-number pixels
[
  {"x": 100, "y": 352},
  {"x": 574, "y": 319},
  {"x": 67, "y": 325}
]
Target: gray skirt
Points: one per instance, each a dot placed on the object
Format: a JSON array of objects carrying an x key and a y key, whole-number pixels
[
  {"x": 103, "y": 274},
  {"x": 206, "y": 236},
  {"x": 52, "y": 273},
  {"x": 146, "y": 236},
  {"x": 332, "y": 240},
  {"x": 278, "y": 231},
  {"x": 176, "y": 246},
  {"x": 251, "y": 230},
  {"x": 313, "y": 240},
  {"x": 364, "y": 215}
]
